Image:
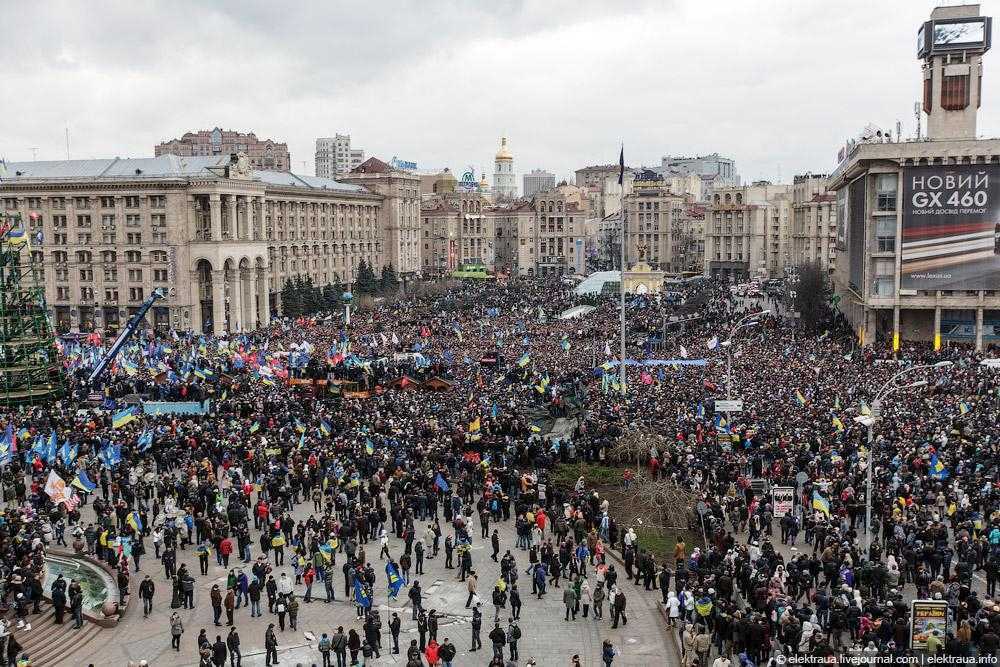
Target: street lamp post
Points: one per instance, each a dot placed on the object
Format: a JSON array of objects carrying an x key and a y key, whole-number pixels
[{"x": 869, "y": 421}]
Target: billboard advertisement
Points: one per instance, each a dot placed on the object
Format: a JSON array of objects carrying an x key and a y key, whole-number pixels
[
  {"x": 951, "y": 227},
  {"x": 927, "y": 617},
  {"x": 842, "y": 219}
]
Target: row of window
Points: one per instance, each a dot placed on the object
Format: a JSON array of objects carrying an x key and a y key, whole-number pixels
[{"x": 83, "y": 203}]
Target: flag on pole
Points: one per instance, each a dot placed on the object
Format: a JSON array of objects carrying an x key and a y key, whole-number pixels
[
  {"x": 361, "y": 596},
  {"x": 255, "y": 427},
  {"x": 145, "y": 440},
  {"x": 621, "y": 166},
  {"x": 394, "y": 578},
  {"x": 474, "y": 425},
  {"x": 713, "y": 343},
  {"x": 837, "y": 424},
  {"x": 524, "y": 360},
  {"x": 684, "y": 352},
  {"x": 324, "y": 428},
  {"x": 865, "y": 410},
  {"x": 369, "y": 446},
  {"x": 963, "y": 408},
  {"x": 800, "y": 398}
]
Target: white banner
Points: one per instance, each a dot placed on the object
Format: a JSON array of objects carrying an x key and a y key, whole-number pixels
[
  {"x": 783, "y": 499},
  {"x": 56, "y": 489}
]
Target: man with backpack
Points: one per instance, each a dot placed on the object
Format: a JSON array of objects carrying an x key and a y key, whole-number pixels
[{"x": 513, "y": 636}]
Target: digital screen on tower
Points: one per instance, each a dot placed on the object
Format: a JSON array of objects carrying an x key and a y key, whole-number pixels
[
  {"x": 965, "y": 33},
  {"x": 951, "y": 228}
]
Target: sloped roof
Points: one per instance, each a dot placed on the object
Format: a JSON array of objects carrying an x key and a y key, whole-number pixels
[
  {"x": 160, "y": 167},
  {"x": 372, "y": 166}
]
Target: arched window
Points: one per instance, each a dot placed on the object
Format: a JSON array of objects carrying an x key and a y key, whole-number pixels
[
  {"x": 739, "y": 198},
  {"x": 729, "y": 198}
]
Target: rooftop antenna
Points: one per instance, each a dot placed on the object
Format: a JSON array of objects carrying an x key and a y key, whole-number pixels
[
  {"x": 34, "y": 153},
  {"x": 916, "y": 112},
  {"x": 899, "y": 131},
  {"x": 67, "y": 142}
]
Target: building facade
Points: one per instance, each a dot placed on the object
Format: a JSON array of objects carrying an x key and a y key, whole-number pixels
[
  {"x": 748, "y": 233},
  {"x": 400, "y": 212},
  {"x": 814, "y": 222},
  {"x": 714, "y": 171},
  {"x": 537, "y": 180},
  {"x": 516, "y": 230},
  {"x": 220, "y": 237},
  {"x": 456, "y": 228},
  {"x": 335, "y": 157},
  {"x": 504, "y": 180},
  {"x": 263, "y": 153},
  {"x": 664, "y": 228},
  {"x": 918, "y": 244}
]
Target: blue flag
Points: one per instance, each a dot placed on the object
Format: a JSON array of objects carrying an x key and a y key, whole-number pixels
[
  {"x": 395, "y": 579},
  {"x": 441, "y": 483},
  {"x": 361, "y": 595},
  {"x": 145, "y": 440}
]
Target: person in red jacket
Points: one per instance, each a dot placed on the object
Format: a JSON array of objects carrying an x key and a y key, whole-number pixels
[
  {"x": 225, "y": 548},
  {"x": 431, "y": 653}
]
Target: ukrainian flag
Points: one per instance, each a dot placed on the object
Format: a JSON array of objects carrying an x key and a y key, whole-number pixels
[
  {"x": 299, "y": 426},
  {"x": 800, "y": 398},
  {"x": 820, "y": 503},
  {"x": 369, "y": 447},
  {"x": 123, "y": 417},
  {"x": 324, "y": 428},
  {"x": 837, "y": 424},
  {"x": 474, "y": 425},
  {"x": 83, "y": 482},
  {"x": 565, "y": 343},
  {"x": 865, "y": 410},
  {"x": 135, "y": 521},
  {"x": 255, "y": 427},
  {"x": 963, "y": 408},
  {"x": 524, "y": 360}
]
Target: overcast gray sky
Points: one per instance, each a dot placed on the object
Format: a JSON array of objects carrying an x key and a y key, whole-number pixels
[{"x": 777, "y": 85}]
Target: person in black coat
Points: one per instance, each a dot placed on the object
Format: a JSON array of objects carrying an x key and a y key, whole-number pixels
[{"x": 219, "y": 652}]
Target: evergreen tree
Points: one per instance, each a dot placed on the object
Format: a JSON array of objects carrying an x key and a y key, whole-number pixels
[
  {"x": 390, "y": 282},
  {"x": 290, "y": 305},
  {"x": 366, "y": 282},
  {"x": 330, "y": 297},
  {"x": 309, "y": 302}
]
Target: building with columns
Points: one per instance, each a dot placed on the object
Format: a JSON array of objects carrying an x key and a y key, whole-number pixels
[{"x": 220, "y": 237}]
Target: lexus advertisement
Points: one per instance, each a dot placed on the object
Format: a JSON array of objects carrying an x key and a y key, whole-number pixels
[{"x": 951, "y": 228}]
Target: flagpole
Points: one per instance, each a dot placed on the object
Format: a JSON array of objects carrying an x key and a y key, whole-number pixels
[{"x": 621, "y": 200}]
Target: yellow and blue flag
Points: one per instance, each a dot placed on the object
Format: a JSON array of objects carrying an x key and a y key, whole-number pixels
[
  {"x": 324, "y": 428},
  {"x": 361, "y": 595},
  {"x": 395, "y": 579},
  {"x": 938, "y": 470},
  {"x": 800, "y": 398},
  {"x": 133, "y": 519},
  {"x": 524, "y": 360},
  {"x": 820, "y": 503},
  {"x": 369, "y": 447},
  {"x": 123, "y": 417},
  {"x": 963, "y": 408},
  {"x": 474, "y": 425},
  {"x": 83, "y": 482},
  {"x": 255, "y": 427}
]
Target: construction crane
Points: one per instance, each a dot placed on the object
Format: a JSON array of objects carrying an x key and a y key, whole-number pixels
[{"x": 125, "y": 334}]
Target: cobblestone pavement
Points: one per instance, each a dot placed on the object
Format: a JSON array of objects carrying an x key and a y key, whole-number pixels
[{"x": 546, "y": 636}]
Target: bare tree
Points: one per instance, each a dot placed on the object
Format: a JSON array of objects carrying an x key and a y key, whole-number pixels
[
  {"x": 636, "y": 446},
  {"x": 659, "y": 505}
]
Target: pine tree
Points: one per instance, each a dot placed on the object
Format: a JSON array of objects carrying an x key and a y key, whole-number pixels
[
  {"x": 330, "y": 297},
  {"x": 390, "y": 282},
  {"x": 366, "y": 282}
]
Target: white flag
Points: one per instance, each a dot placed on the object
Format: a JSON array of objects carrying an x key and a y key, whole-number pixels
[
  {"x": 395, "y": 341},
  {"x": 713, "y": 343},
  {"x": 684, "y": 352},
  {"x": 607, "y": 349}
]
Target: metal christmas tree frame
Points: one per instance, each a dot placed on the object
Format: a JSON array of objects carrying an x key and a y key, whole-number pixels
[{"x": 30, "y": 370}]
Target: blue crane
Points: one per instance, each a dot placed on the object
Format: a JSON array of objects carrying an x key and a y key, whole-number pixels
[{"x": 125, "y": 334}]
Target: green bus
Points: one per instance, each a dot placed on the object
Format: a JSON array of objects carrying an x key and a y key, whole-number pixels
[{"x": 471, "y": 271}]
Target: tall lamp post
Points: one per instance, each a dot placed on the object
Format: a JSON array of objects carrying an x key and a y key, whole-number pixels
[
  {"x": 869, "y": 422},
  {"x": 744, "y": 323}
]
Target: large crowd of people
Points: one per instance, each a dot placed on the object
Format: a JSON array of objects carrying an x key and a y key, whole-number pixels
[{"x": 429, "y": 419}]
